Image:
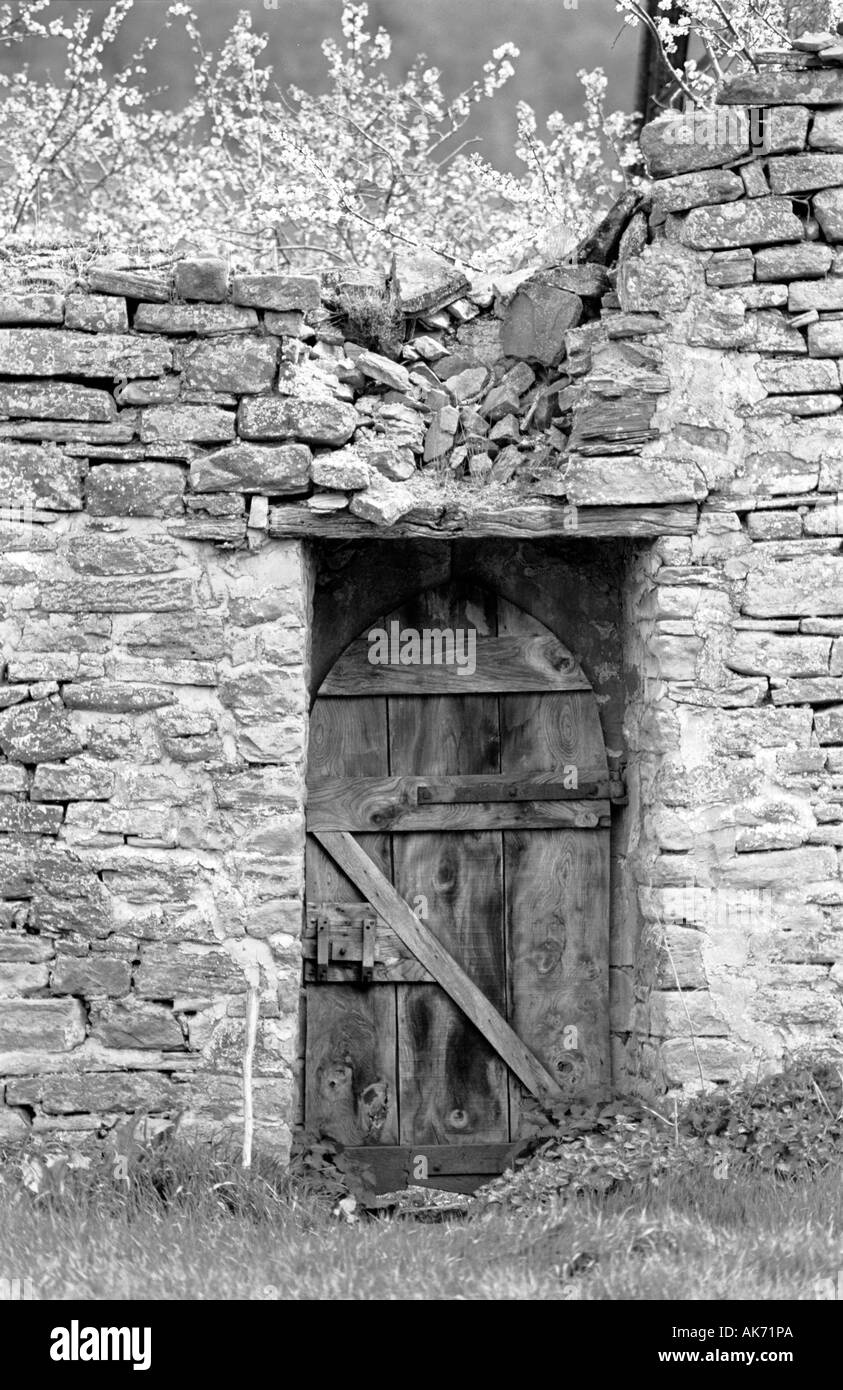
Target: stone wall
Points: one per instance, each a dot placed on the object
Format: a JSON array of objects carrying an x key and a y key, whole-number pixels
[
  {"x": 170, "y": 443},
  {"x": 713, "y": 378},
  {"x": 155, "y": 641}
]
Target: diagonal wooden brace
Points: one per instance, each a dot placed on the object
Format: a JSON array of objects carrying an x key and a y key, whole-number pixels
[{"x": 376, "y": 888}]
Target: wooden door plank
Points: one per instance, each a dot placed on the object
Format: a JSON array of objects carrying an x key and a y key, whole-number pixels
[
  {"x": 453, "y": 1083},
  {"x": 511, "y": 663},
  {"x": 557, "y": 934},
  {"x": 351, "y": 1088},
  {"x": 366, "y": 804},
  {"x": 350, "y": 1094},
  {"x": 454, "y": 1086},
  {"x": 362, "y": 871},
  {"x": 556, "y": 894}
]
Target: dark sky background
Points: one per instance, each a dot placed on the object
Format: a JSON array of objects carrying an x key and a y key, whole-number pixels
[{"x": 457, "y": 36}]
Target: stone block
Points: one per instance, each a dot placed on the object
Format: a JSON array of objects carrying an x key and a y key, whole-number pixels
[
  {"x": 270, "y": 468},
  {"x": 680, "y": 143},
  {"x": 804, "y": 173},
  {"x": 785, "y": 87},
  {"x": 758, "y": 222},
  {"x": 91, "y": 976},
  {"x": 96, "y": 313},
  {"x": 828, "y": 210},
  {"x": 200, "y": 424},
  {"x": 37, "y": 352},
  {"x": 123, "y": 595},
  {"x": 55, "y": 1025},
  {"x": 204, "y": 278},
  {"x": 170, "y": 972},
  {"x": 40, "y": 477},
  {"x": 37, "y": 732},
  {"x": 76, "y": 780},
  {"x": 802, "y": 261},
  {"x": 536, "y": 321},
  {"x": 281, "y": 293},
  {"x": 696, "y": 189},
  {"x": 135, "y": 1024},
  {"x": 790, "y": 375},
  {"x": 325, "y": 421},
  {"x": 383, "y": 503},
  {"x": 97, "y": 1091},
  {"x": 136, "y": 489},
  {"x": 243, "y": 366},
  {"x": 31, "y": 308},
  {"x": 206, "y": 320},
  {"x": 131, "y": 284},
  {"x": 55, "y": 400}
]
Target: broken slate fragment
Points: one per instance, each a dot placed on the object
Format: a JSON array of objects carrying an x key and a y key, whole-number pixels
[
  {"x": 729, "y": 268},
  {"x": 828, "y": 210},
  {"x": 439, "y": 439},
  {"x": 467, "y": 385},
  {"x": 382, "y": 369},
  {"x": 536, "y": 321},
  {"x": 344, "y": 469},
  {"x": 383, "y": 503},
  {"x": 132, "y": 284},
  {"x": 588, "y": 280},
  {"x": 426, "y": 282},
  {"x": 392, "y": 462}
]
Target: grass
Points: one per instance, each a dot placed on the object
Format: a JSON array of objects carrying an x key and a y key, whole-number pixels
[{"x": 193, "y": 1227}]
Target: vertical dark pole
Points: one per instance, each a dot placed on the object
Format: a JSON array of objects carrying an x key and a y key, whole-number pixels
[{"x": 653, "y": 77}]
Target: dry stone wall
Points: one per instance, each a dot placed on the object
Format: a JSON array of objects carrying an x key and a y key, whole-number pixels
[{"x": 713, "y": 378}]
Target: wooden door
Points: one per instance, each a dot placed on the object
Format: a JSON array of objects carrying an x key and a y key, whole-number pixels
[{"x": 456, "y": 939}]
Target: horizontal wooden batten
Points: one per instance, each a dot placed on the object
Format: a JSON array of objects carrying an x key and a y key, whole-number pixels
[
  {"x": 550, "y": 787},
  {"x": 501, "y": 665},
  {"x": 453, "y": 1167},
  {"x": 377, "y": 804}
]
